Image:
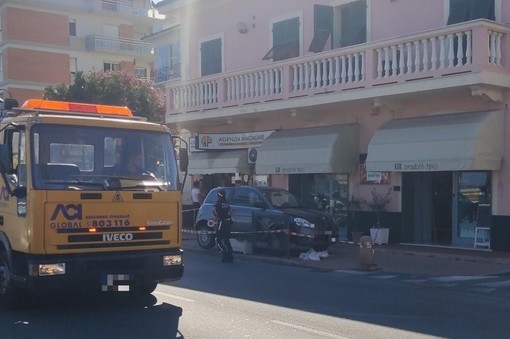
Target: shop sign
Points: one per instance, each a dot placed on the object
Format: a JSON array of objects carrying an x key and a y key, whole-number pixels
[
  {"x": 230, "y": 141},
  {"x": 418, "y": 166}
]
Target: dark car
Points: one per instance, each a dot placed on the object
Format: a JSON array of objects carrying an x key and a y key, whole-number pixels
[{"x": 266, "y": 216}]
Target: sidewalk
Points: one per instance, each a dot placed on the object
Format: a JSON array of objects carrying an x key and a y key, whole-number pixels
[{"x": 406, "y": 259}]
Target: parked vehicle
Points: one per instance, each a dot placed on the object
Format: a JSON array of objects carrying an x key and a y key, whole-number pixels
[{"x": 265, "y": 215}]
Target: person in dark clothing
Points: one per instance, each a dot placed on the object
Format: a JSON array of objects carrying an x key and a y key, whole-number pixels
[{"x": 223, "y": 213}]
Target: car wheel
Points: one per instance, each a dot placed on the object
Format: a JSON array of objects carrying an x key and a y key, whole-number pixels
[
  {"x": 10, "y": 297},
  {"x": 276, "y": 239},
  {"x": 205, "y": 238}
]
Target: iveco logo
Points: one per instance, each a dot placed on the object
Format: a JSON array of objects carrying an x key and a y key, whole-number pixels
[{"x": 118, "y": 237}]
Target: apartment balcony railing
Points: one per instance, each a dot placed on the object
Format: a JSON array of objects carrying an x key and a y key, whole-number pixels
[
  {"x": 471, "y": 47},
  {"x": 166, "y": 73},
  {"x": 124, "y": 8},
  {"x": 117, "y": 45}
]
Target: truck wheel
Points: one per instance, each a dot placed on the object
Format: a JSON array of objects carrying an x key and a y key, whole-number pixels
[
  {"x": 9, "y": 295},
  {"x": 144, "y": 288},
  {"x": 205, "y": 240}
]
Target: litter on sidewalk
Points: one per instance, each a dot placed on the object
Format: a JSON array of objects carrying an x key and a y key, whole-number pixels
[{"x": 313, "y": 255}]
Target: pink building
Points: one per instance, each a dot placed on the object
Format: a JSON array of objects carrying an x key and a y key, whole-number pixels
[{"x": 338, "y": 99}]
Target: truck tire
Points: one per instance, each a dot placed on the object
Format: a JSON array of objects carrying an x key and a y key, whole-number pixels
[
  {"x": 10, "y": 296},
  {"x": 144, "y": 288}
]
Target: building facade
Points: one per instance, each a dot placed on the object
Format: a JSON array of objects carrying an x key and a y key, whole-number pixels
[
  {"x": 46, "y": 42},
  {"x": 349, "y": 101}
]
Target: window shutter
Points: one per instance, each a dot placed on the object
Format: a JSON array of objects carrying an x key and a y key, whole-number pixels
[
  {"x": 481, "y": 9},
  {"x": 323, "y": 27},
  {"x": 354, "y": 23},
  {"x": 211, "y": 57}
]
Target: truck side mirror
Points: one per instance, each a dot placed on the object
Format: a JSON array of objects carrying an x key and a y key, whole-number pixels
[
  {"x": 183, "y": 159},
  {"x": 10, "y": 103}
]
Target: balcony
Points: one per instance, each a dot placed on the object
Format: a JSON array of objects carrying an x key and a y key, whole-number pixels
[
  {"x": 119, "y": 7},
  {"x": 118, "y": 45},
  {"x": 115, "y": 7},
  {"x": 167, "y": 73},
  {"x": 463, "y": 52}
]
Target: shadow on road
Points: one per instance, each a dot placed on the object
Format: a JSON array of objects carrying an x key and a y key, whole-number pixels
[{"x": 112, "y": 316}]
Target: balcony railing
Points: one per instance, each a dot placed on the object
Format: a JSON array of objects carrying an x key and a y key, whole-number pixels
[
  {"x": 471, "y": 47},
  {"x": 118, "y": 45},
  {"x": 166, "y": 73},
  {"x": 124, "y": 8}
]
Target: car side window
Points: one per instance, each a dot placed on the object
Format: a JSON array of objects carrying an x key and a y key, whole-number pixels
[{"x": 243, "y": 197}]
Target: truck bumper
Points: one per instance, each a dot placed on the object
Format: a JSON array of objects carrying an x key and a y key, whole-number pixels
[{"x": 97, "y": 270}]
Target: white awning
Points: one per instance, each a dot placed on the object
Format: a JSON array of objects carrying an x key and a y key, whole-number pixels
[
  {"x": 212, "y": 162},
  {"x": 453, "y": 142},
  {"x": 329, "y": 149}
]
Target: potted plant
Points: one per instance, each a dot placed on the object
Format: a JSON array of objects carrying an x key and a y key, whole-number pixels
[{"x": 378, "y": 205}]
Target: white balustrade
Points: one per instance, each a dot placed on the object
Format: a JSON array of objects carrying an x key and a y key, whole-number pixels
[{"x": 426, "y": 55}]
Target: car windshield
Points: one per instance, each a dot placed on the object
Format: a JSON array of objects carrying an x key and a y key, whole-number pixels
[
  {"x": 280, "y": 198},
  {"x": 85, "y": 158}
]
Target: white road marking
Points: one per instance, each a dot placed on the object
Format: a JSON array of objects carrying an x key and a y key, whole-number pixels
[
  {"x": 385, "y": 277},
  {"x": 173, "y": 296},
  {"x": 504, "y": 283},
  {"x": 307, "y": 329},
  {"x": 462, "y": 278}
]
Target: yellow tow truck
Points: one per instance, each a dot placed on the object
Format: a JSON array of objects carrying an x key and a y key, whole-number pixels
[{"x": 75, "y": 212}]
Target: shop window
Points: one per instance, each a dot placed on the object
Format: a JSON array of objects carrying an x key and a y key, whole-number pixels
[
  {"x": 211, "y": 57},
  {"x": 285, "y": 40},
  {"x": 466, "y": 10},
  {"x": 473, "y": 191}
]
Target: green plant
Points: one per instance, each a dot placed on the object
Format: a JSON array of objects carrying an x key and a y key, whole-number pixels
[{"x": 378, "y": 203}]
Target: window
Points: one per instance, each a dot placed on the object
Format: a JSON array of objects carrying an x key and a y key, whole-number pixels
[
  {"x": 285, "y": 40},
  {"x": 211, "y": 57},
  {"x": 110, "y": 5},
  {"x": 350, "y": 24},
  {"x": 168, "y": 61},
  {"x": 245, "y": 197},
  {"x": 466, "y": 10},
  {"x": 111, "y": 66},
  {"x": 140, "y": 72},
  {"x": 323, "y": 27},
  {"x": 111, "y": 31},
  {"x": 72, "y": 27},
  {"x": 79, "y": 154}
]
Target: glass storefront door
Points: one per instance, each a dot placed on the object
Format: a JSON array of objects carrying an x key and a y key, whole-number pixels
[{"x": 473, "y": 189}]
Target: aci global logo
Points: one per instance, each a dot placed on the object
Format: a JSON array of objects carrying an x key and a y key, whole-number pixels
[{"x": 69, "y": 211}]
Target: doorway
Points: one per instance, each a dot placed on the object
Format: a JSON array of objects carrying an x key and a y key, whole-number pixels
[
  {"x": 442, "y": 207},
  {"x": 428, "y": 206}
]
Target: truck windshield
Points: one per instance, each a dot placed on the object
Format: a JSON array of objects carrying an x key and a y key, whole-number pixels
[{"x": 86, "y": 158}]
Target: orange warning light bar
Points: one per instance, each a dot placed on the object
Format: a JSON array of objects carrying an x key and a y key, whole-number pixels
[{"x": 79, "y": 107}]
